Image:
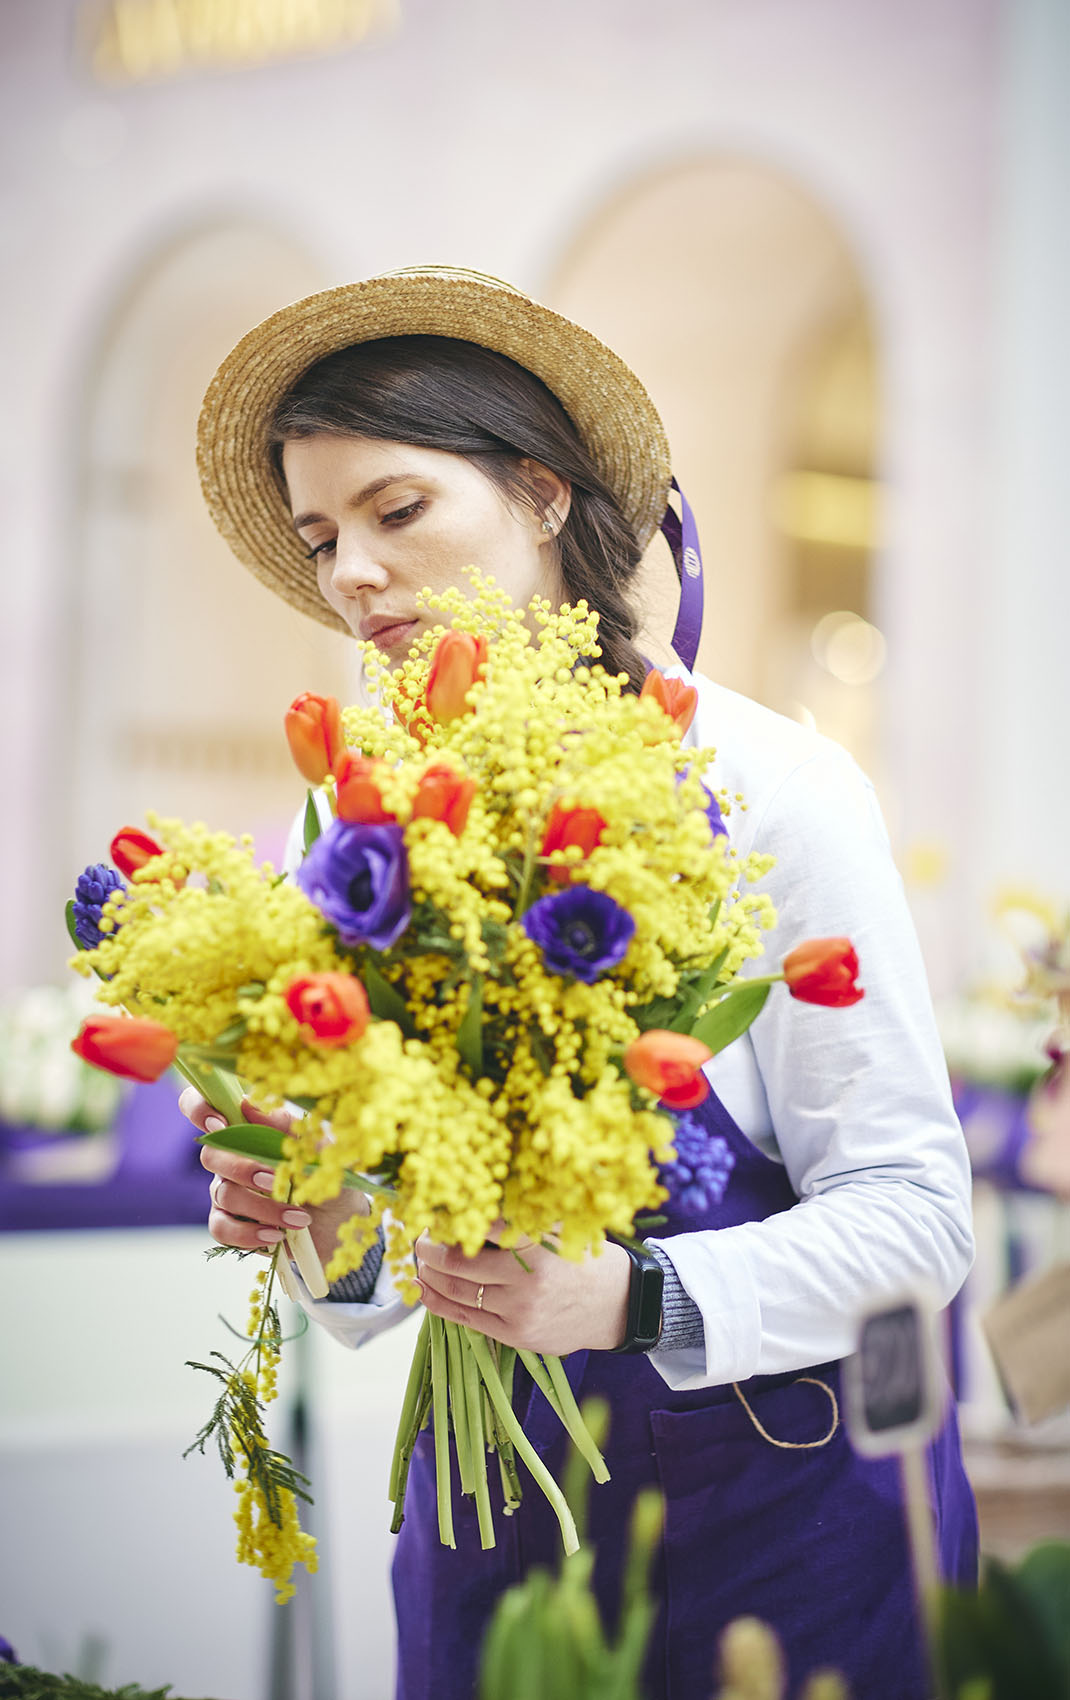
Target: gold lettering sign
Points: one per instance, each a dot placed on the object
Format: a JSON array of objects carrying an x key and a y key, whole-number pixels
[{"x": 128, "y": 41}]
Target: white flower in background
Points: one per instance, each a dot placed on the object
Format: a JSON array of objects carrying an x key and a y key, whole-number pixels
[{"x": 42, "y": 1083}]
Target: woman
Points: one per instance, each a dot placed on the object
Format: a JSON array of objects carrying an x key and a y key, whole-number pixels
[{"x": 378, "y": 439}]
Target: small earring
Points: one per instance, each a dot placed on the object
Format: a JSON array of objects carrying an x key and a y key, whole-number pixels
[{"x": 548, "y": 525}]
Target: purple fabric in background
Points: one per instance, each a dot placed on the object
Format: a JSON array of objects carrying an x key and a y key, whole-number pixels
[{"x": 157, "y": 1180}]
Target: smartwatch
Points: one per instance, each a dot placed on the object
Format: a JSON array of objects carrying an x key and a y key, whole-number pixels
[{"x": 644, "y": 1302}]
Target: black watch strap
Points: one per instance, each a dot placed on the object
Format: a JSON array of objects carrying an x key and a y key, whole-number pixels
[{"x": 644, "y": 1302}]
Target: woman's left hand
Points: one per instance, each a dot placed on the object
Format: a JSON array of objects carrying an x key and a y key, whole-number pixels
[{"x": 554, "y": 1305}]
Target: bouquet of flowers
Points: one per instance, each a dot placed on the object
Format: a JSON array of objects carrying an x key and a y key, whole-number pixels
[{"x": 489, "y": 985}]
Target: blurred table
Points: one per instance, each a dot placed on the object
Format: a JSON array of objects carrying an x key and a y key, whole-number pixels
[{"x": 156, "y": 1180}]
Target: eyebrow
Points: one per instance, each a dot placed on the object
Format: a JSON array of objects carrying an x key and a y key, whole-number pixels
[{"x": 356, "y": 501}]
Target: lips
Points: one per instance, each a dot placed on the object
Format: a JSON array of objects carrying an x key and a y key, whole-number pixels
[{"x": 388, "y": 631}]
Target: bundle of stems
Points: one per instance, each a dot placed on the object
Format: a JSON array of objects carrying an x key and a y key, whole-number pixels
[{"x": 462, "y": 1381}]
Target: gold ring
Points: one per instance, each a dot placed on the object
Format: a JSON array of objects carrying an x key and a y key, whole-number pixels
[{"x": 479, "y": 1296}]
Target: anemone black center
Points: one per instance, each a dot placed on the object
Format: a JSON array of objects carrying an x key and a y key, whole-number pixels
[
  {"x": 360, "y": 890},
  {"x": 580, "y": 938}
]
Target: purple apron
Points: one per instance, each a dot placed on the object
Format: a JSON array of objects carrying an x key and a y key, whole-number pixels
[{"x": 812, "y": 1541}]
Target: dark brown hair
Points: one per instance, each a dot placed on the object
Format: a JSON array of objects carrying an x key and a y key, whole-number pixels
[{"x": 441, "y": 393}]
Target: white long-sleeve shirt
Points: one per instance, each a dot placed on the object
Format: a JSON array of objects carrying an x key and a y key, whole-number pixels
[{"x": 854, "y": 1102}]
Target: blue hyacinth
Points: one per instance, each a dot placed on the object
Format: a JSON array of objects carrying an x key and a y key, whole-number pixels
[
  {"x": 92, "y": 891},
  {"x": 703, "y": 1167}
]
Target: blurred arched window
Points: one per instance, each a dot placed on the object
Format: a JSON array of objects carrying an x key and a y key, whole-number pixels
[
  {"x": 184, "y": 664},
  {"x": 735, "y": 296}
]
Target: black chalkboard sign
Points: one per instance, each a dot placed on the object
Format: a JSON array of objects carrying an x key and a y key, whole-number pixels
[
  {"x": 894, "y": 1381},
  {"x": 893, "y": 1375}
]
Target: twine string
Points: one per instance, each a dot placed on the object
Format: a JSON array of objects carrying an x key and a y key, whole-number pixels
[{"x": 794, "y": 1445}]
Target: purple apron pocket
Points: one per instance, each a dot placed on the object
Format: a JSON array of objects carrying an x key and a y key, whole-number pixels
[{"x": 812, "y": 1541}]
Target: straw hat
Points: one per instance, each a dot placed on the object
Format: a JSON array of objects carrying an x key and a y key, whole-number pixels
[{"x": 609, "y": 407}]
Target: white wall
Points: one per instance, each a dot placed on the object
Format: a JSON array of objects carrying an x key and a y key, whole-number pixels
[{"x": 1024, "y": 706}]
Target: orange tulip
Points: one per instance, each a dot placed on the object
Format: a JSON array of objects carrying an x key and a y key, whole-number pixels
[
  {"x": 126, "y": 1045},
  {"x": 444, "y": 795},
  {"x": 131, "y": 849},
  {"x": 314, "y": 730},
  {"x": 678, "y": 699},
  {"x": 358, "y": 794},
  {"x": 333, "y": 1008},
  {"x": 823, "y": 971},
  {"x": 457, "y": 663},
  {"x": 571, "y": 826},
  {"x": 669, "y": 1064}
]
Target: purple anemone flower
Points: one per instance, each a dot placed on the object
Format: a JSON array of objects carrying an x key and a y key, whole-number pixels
[
  {"x": 581, "y": 933},
  {"x": 703, "y": 1167},
  {"x": 712, "y": 811},
  {"x": 358, "y": 877},
  {"x": 714, "y": 815},
  {"x": 7, "y": 1652},
  {"x": 92, "y": 891}
]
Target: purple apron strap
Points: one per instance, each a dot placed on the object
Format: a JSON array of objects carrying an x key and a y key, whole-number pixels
[{"x": 682, "y": 538}]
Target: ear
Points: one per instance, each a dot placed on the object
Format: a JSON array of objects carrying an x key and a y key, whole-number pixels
[{"x": 554, "y": 495}]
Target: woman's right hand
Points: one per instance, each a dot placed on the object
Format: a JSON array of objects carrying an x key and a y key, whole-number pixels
[{"x": 243, "y": 1212}]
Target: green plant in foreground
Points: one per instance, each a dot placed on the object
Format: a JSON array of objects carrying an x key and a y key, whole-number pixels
[
  {"x": 24, "y": 1682},
  {"x": 1011, "y": 1639},
  {"x": 546, "y": 1640}
]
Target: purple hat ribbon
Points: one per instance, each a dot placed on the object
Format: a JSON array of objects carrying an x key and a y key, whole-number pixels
[{"x": 681, "y": 534}]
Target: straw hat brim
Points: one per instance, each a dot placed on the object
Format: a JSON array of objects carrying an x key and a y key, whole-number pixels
[{"x": 609, "y": 407}]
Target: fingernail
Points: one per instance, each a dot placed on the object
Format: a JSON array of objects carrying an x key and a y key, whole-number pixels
[
  {"x": 264, "y": 1180},
  {"x": 270, "y": 1236},
  {"x": 214, "y": 1124},
  {"x": 296, "y": 1218}
]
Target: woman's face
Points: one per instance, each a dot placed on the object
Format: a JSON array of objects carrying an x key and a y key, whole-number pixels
[{"x": 384, "y": 521}]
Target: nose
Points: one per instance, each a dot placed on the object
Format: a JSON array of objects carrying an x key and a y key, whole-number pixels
[{"x": 354, "y": 568}]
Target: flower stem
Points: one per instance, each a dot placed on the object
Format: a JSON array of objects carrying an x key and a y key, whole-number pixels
[
  {"x": 463, "y": 1418},
  {"x": 408, "y": 1427},
  {"x": 527, "y": 874},
  {"x": 477, "y": 1439},
  {"x": 440, "y": 1412},
  {"x": 549, "y": 1377},
  {"x": 541, "y": 1474},
  {"x": 512, "y": 1492},
  {"x": 572, "y": 1417}
]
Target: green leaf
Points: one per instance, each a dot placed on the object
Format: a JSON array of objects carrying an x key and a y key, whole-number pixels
[
  {"x": 658, "y": 1013},
  {"x": 312, "y": 828},
  {"x": 225, "y": 1041},
  {"x": 470, "y": 1032},
  {"x": 732, "y": 1015},
  {"x": 698, "y": 992},
  {"x": 69, "y": 913},
  {"x": 1044, "y": 1575},
  {"x": 248, "y": 1139},
  {"x": 386, "y": 1001}
]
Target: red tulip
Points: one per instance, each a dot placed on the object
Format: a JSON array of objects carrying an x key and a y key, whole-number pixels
[
  {"x": 131, "y": 849},
  {"x": 332, "y": 1007},
  {"x": 823, "y": 971},
  {"x": 444, "y": 795},
  {"x": 126, "y": 1045},
  {"x": 358, "y": 794},
  {"x": 678, "y": 699},
  {"x": 669, "y": 1064},
  {"x": 571, "y": 826},
  {"x": 314, "y": 730},
  {"x": 457, "y": 663}
]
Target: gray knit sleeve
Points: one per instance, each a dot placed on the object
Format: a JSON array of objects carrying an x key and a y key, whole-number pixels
[
  {"x": 682, "y": 1324},
  {"x": 357, "y": 1287}
]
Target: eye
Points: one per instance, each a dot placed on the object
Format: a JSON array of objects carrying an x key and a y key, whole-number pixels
[
  {"x": 400, "y": 515},
  {"x": 321, "y": 549}
]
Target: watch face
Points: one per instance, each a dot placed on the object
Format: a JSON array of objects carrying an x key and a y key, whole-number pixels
[{"x": 648, "y": 1319}]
